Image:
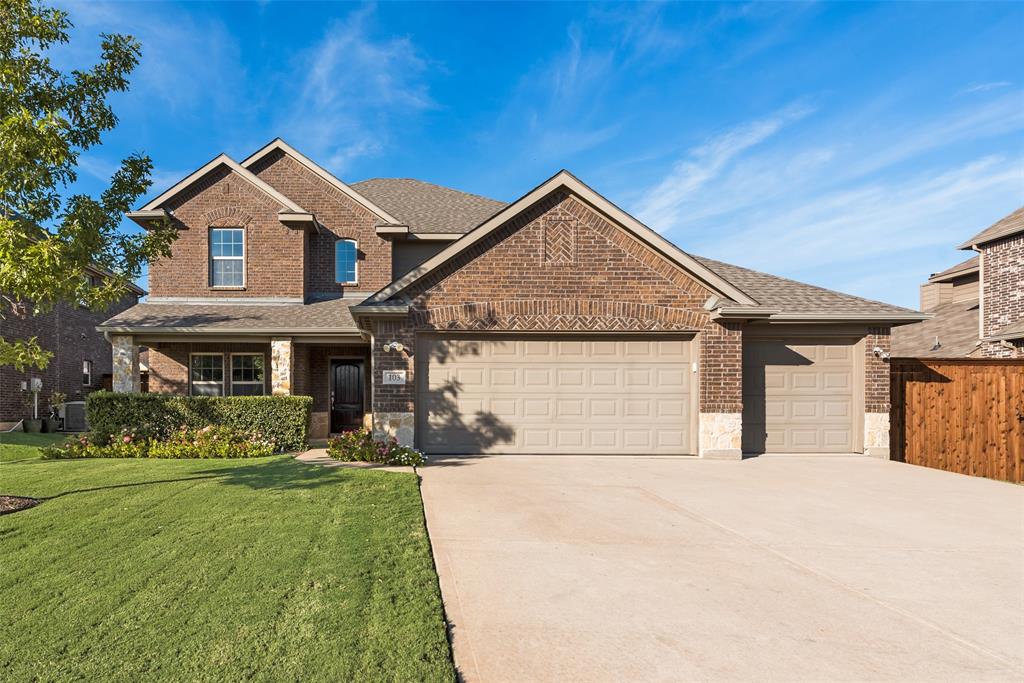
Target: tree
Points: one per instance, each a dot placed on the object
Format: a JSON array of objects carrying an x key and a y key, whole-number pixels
[{"x": 49, "y": 243}]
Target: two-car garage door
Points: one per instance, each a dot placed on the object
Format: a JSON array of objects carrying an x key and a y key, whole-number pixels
[
  {"x": 555, "y": 395},
  {"x": 799, "y": 396}
]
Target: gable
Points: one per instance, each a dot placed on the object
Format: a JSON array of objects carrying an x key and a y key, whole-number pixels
[
  {"x": 560, "y": 258},
  {"x": 600, "y": 207}
]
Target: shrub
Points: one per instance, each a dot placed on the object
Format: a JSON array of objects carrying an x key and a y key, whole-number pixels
[
  {"x": 281, "y": 419},
  {"x": 360, "y": 446},
  {"x": 208, "y": 442}
]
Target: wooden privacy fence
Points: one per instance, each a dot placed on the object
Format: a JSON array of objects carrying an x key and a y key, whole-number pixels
[{"x": 960, "y": 415}]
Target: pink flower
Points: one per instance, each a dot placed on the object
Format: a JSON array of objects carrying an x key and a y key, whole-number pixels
[{"x": 126, "y": 439}]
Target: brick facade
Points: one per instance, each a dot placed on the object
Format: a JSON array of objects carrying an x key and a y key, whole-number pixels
[
  {"x": 876, "y": 371},
  {"x": 339, "y": 217},
  {"x": 69, "y": 331},
  {"x": 1002, "y": 267},
  {"x": 274, "y": 253},
  {"x": 721, "y": 362},
  {"x": 582, "y": 275}
]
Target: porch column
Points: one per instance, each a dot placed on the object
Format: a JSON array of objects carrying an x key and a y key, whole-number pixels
[
  {"x": 126, "y": 363},
  {"x": 282, "y": 366}
]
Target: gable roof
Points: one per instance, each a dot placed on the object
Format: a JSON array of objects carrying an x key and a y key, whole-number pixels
[
  {"x": 287, "y": 204},
  {"x": 429, "y": 208},
  {"x": 279, "y": 144},
  {"x": 790, "y": 298},
  {"x": 1006, "y": 226},
  {"x": 566, "y": 180},
  {"x": 959, "y": 270},
  {"x": 1011, "y": 331}
]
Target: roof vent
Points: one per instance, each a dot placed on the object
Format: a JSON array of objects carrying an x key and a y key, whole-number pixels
[{"x": 937, "y": 345}]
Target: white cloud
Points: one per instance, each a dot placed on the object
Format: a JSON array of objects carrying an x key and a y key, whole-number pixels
[
  {"x": 984, "y": 87},
  {"x": 351, "y": 90},
  {"x": 661, "y": 207}
]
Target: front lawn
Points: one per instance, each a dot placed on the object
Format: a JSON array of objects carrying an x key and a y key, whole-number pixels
[{"x": 262, "y": 569}]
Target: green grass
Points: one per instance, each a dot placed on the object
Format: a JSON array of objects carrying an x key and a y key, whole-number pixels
[
  {"x": 194, "y": 570},
  {"x": 16, "y": 446}
]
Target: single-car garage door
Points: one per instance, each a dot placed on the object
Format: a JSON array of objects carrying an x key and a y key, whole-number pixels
[
  {"x": 554, "y": 395},
  {"x": 799, "y": 396}
]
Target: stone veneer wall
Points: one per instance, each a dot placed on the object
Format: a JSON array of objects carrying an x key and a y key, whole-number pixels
[{"x": 125, "y": 357}]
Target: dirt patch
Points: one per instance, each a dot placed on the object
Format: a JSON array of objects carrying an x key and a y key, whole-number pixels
[{"x": 9, "y": 504}]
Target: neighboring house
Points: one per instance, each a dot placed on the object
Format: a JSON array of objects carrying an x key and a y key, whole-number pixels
[
  {"x": 977, "y": 305},
  {"x": 81, "y": 355},
  {"x": 554, "y": 324}
]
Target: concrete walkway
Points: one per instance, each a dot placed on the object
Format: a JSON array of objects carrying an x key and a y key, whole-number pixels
[
  {"x": 770, "y": 569},
  {"x": 318, "y": 456}
]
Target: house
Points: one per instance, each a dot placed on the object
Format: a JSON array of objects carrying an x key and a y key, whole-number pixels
[
  {"x": 977, "y": 306},
  {"x": 554, "y": 324},
  {"x": 81, "y": 361}
]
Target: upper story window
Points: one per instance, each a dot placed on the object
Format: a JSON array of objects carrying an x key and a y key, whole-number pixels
[
  {"x": 345, "y": 267},
  {"x": 227, "y": 257},
  {"x": 87, "y": 373}
]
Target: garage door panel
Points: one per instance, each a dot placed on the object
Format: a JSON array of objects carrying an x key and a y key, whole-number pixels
[
  {"x": 798, "y": 396},
  {"x": 556, "y": 396}
]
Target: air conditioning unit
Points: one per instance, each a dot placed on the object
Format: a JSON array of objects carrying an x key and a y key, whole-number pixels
[{"x": 74, "y": 416}]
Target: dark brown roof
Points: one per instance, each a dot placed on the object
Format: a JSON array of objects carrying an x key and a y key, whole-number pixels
[
  {"x": 331, "y": 315},
  {"x": 426, "y": 207},
  {"x": 956, "y": 326},
  {"x": 959, "y": 270},
  {"x": 1010, "y": 225},
  {"x": 790, "y": 296}
]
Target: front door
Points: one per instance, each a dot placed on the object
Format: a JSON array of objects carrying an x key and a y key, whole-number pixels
[{"x": 346, "y": 395}]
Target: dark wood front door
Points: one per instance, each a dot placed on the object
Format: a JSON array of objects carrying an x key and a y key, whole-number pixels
[{"x": 346, "y": 395}]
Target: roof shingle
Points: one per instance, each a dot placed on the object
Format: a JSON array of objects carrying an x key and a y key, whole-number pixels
[
  {"x": 955, "y": 325},
  {"x": 330, "y": 315},
  {"x": 426, "y": 207},
  {"x": 790, "y": 296},
  {"x": 1009, "y": 225}
]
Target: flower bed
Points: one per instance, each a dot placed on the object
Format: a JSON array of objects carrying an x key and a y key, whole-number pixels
[
  {"x": 360, "y": 446},
  {"x": 208, "y": 442}
]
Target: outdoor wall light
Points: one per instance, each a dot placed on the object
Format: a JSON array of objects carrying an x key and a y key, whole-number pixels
[
  {"x": 880, "y": 353},
  {"x": 394, "y": 346}
]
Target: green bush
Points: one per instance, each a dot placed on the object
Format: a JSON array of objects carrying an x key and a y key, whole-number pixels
[
  {"x": 360, "y": 446},
  {"x": 281, "y": 419},
  {"x": 208, "y": 442}
]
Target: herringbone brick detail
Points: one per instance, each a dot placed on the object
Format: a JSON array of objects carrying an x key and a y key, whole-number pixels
[
  {"x": 560, "y": 242},
  {"x": 560, "y": 314}
]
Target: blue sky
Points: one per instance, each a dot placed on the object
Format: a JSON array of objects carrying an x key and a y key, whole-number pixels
[{"x": 846, "y": 145}]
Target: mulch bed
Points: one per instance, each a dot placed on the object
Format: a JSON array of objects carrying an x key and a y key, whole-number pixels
[{"x": 9, "y": 504}]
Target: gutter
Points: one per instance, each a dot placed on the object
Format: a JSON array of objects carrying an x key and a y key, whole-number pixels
[{"x": 289, "y": 331}]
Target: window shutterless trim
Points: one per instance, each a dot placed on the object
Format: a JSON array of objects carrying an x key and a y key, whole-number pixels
[
  {"x": 355, "y": 262},
  {"x": 86, "y": 372},
  {"x": 211, "y": 258},
  {"x": 231, "y": 371},
  {"x": 223, "y": 379}
]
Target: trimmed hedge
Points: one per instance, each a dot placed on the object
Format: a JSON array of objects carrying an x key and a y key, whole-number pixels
[{"x": 284, "y": 419}]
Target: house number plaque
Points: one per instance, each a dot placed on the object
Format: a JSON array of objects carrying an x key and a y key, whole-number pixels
[{"x": 394, "y": 377}]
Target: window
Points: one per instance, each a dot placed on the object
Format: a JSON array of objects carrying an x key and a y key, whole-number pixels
[
  {"x": 345, "y": 262},
  {"x": 246, "y": 374},
  {"x": 227, "y": 257},
  {"x": 86, "y": 373},
  {"x": 206, "y": 374}
]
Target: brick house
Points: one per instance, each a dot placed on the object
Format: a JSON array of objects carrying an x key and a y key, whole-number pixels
[
  {"x": 554, "y": 324},
  {"x": 977, "y": 306},
  {"x": 81, "y": 360}
]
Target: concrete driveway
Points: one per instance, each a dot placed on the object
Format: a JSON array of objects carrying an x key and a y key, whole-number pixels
[{"x": 774, "y": 568}]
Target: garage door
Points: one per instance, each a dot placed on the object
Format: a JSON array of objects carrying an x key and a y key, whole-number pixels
[
  {"x": 554, "y": 395},
  {"x": 798, "y": 397}
]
